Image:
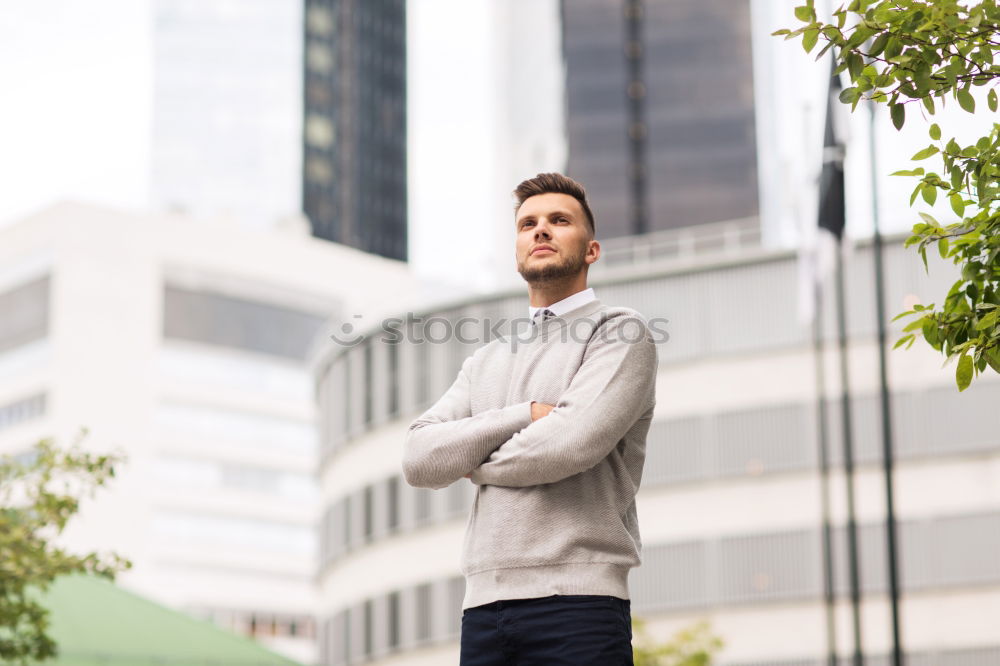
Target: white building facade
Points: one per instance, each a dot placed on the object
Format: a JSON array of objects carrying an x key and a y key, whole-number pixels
[
  {"x": 729, "y": 507},
  {"x": 183, "y": 343}
]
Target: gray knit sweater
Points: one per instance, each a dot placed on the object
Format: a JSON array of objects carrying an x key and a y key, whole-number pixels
[{"x": 554, "y": 511}]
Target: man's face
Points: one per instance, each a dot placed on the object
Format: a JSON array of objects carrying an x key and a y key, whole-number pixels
[{"x": 553, "y": 238}]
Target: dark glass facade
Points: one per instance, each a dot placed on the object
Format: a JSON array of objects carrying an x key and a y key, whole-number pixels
[
  {"x": 354, "y": 156},
  {"x": 218, "y": 319},
  {"x": 699, "y": 160}
]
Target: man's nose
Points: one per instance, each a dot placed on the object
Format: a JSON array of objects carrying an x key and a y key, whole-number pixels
[{"x": 542, "y": 229}]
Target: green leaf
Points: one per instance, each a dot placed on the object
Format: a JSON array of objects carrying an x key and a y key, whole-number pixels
[
  {"x": 963, "y": 375},
  {"x": 925, "y": 153},
  {"x": 929, "y": 193},
  {"x": 903, "y": 340},
  {"x": 989, "y": 321},
  {"x": 965, "y": 100},
  {"x": 879, "y": 44},
  {"x": 957, "y": 204},
  {"x": 783, "y": 31},
  {"x": 943, "y": 247},
  {"x": 809, "y": 39},
  {"x": 957, "y": 176},
  {"x": 855, "y": 63},
  {"x": 804, "y": 13},
  {"x": 993, "y": 358},
  {"x": 919, "y": 171},
  {"x": 929, "y": 328},
  {"x": 929, "y": 104},
  {"x": 991, "y": 100},
  {"x": 898, "y": 114},
  {"x": 848, "y": 95},
  {"x": 935, "y": 132}
]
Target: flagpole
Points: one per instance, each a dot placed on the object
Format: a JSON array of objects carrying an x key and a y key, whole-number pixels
[
  {"x": 845, "y": 409},
  {"x": 824, "y": 476},
  {"x": 833, "y": 218},
  {"x": 885, "y": 398}
]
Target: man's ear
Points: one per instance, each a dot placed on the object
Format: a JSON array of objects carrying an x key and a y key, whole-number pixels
[{"x": 593, "y": 251}]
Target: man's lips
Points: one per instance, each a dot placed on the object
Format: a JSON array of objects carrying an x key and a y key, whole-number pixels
[{"x": 539, "y": 250}]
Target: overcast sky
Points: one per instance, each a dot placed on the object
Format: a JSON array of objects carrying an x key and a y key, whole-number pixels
[{"x": 74, "y": 123}]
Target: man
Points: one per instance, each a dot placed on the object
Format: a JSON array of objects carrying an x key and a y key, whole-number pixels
[{"x": 553, "y": 433}]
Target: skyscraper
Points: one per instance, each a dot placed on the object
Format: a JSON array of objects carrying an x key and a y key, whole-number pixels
[
  {"x": 354, "y": 157},
  {"x": 660, "y": 109}
]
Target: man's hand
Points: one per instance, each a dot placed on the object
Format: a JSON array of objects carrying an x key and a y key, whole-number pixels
[{"x": 538, "y": 410}]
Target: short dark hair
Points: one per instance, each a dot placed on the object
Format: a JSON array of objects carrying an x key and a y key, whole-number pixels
[{"x": 544, "y": 183}]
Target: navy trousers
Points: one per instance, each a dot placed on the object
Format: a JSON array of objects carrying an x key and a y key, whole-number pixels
[{"x": 575, "y": 630}]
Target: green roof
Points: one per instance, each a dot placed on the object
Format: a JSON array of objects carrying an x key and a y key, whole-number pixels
[{"x": 96, "y": 623}]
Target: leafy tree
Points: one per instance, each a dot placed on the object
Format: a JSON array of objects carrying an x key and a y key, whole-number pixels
[
  {"x": 39, "y": 493},
  {"x": 693, "y": 646},
  {"x": 912, "y": 55}
]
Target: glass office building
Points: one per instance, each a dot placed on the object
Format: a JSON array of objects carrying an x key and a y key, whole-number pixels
[
  {"x": 678, "y": 87},
  {"x": 354, "y": 132}
]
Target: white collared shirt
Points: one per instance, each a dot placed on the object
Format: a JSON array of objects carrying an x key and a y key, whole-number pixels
[{"x": 571, "y": 302}]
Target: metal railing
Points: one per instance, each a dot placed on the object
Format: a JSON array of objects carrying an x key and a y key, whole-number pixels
[{"x": 683, "y": 244}]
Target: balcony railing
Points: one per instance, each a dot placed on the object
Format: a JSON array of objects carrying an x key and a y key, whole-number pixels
[{"x": 681, "y": 245}]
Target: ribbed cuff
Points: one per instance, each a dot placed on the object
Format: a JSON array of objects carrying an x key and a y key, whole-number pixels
[
  {"x": 516, "y": 417},
  {"x": 485, "y": 587}
]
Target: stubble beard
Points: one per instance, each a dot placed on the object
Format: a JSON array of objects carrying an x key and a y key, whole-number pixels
[{"x": 554, "y": 271}]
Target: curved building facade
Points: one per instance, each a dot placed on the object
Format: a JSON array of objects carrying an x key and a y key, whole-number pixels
[{"x": 730, "y": 504}]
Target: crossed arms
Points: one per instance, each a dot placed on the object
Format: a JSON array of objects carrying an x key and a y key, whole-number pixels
[{"x": 506, "y": 447}]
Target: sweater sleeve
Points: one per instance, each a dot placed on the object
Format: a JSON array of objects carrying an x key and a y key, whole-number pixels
[
  {"x": 613, "y": 388},
  {"x": 447, "y": 442}
]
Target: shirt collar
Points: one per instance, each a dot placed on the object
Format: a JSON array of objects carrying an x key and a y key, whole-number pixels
[{"x": 571, "y": 302}]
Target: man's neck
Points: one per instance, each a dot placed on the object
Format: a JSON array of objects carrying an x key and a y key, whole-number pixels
[{"x": 541, "y": 295}]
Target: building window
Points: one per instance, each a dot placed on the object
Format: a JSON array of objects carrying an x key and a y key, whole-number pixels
[
  {"x": 369, "y": 380},
  {"x": 369, "y": 626},
  {"x": 422, "y": 374},
  {"x": 346, "y": 636},
  {"x": 22, "y": 410},
  {"x": 318, "y": 170},
  {"x": 392, "y": 494},
  {"x": 393, "y": 387},
  {"x": 348, "y": 392},
  {"x": 393, "y": 620},
  {"x": 319, "y": 21},
  {"x": 368, "y": 502},
  {"x": 422, "y": 505},
  {"x": 423, "y": 599},
  {"x": 347, "y": 522},
  {"x": 319, "y": 133},
  {"x": 223, "y": 320},
  {"x": 24, "y": 314}
]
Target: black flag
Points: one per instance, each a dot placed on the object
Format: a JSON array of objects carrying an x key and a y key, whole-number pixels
[
  {"x": 831, "y": 180},
  {"x": 819, "y": 246}
]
